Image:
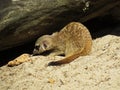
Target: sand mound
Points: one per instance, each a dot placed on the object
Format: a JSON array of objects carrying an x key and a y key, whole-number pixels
[{"x": 98, "y": 71}]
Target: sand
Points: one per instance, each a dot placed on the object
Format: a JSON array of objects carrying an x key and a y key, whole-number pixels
[{"x": 98, "y": 71}]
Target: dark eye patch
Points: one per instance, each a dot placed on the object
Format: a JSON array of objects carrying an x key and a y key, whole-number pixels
[{"x": 37, "y": 47}]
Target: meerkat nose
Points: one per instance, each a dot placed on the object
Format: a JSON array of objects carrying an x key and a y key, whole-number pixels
[{"x": 35, "y": 52}]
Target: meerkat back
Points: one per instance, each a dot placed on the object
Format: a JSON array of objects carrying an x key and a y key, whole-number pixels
[{"x": 77, "y": 42}]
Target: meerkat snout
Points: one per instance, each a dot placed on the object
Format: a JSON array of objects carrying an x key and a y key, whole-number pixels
[{"x": 36, "y": 49}]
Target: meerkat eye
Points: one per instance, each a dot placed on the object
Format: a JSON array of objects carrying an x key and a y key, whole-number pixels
[{"x": 37, "y": 47}]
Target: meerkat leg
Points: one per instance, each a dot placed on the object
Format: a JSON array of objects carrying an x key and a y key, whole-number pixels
[
  {"x": 55, "y": 53},
  {"x": 70, "y": 55}
]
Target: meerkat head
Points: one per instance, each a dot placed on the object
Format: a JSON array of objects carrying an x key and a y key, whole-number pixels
[{"x": 43, "y": 44}]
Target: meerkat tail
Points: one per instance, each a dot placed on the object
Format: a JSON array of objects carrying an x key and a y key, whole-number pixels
[{"x": 65, "y": 60}]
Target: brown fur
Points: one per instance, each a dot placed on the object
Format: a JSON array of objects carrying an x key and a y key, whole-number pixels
[{"x": 73, "y": 40}]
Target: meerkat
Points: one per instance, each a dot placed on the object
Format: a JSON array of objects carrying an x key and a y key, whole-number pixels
[{"x": 73, "y": 40}]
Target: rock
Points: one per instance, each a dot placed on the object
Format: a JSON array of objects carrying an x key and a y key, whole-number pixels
[
  {"x": 22, "y": 58},
  {"x": 22, "y": 21}
]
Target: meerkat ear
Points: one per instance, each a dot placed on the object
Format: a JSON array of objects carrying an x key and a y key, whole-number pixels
[{"x": 45, "y": 43}]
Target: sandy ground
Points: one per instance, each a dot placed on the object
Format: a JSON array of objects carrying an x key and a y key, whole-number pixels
[{"x": 98, "y": 71}]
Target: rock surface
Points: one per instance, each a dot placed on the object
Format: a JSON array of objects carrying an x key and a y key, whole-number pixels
[
  {"x": 22, "y": 21},
  {"x": 98, "y": 71}
]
